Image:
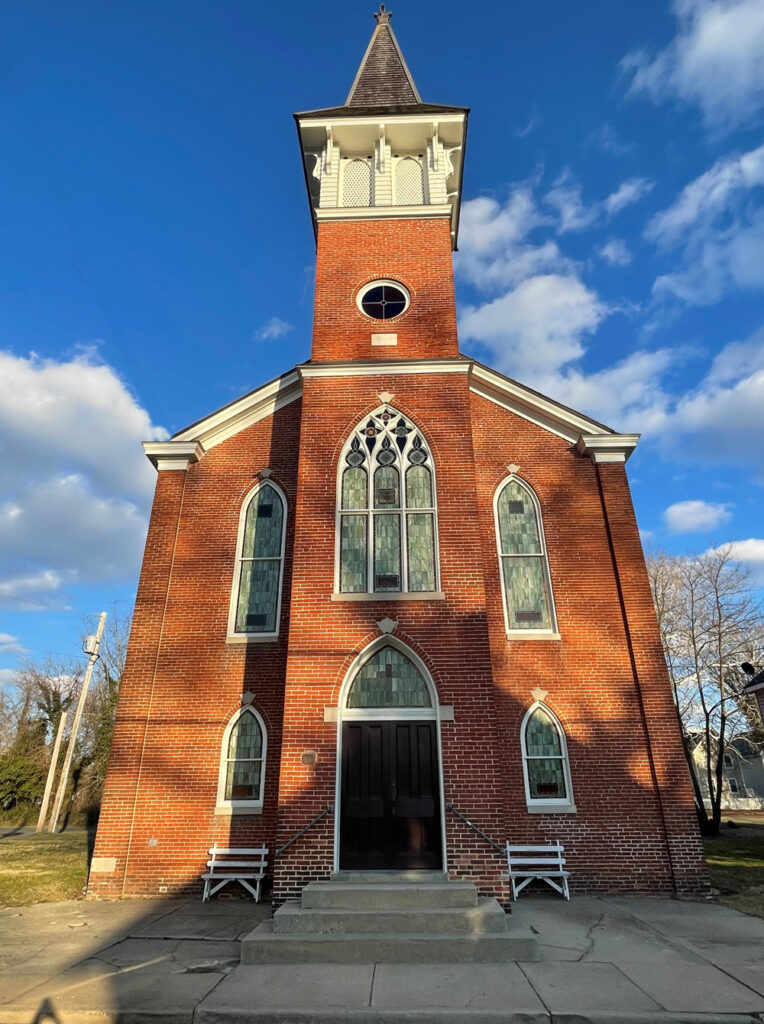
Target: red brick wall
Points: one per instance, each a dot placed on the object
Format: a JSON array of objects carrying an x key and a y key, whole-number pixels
[
  {"x": 183, "y": 681},
  {"x": 415, "y": 252},
  {"x": 617, "y": 840}
]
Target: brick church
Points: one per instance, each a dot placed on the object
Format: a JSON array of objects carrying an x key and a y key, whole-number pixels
[{"x": 393, "y": 602}]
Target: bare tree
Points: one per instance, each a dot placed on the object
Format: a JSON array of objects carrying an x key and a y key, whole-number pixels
[{"x": 710, "y": 623}]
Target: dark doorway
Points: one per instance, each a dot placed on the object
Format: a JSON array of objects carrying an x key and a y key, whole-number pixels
[{"x": 390, "y": 810}]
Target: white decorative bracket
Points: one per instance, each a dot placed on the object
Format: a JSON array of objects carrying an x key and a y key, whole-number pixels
[
  {"x": 435, "y": 146},
  {"x": 176, "y": 455},
  {"x": 381, "y": 149},
  {"x": 387, "y": 625},
  {"x": 329, "y": 149}
]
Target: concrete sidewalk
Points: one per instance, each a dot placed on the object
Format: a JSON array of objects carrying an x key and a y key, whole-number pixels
[{"x": 177, "y": 962}]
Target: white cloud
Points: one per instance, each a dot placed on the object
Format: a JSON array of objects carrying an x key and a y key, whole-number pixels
[
  {"x": 273, "y": 328},
  {"x": 531, "y": 125},
  {"x": 10, "y": 644},
  {"x": 627, "y": 193},
  {"x": 536, "y": 327},
  {"x": 751, "y": 550},
  {"x": 716, "y": 62},
  {"x": 695, "y": 516},
  {"x": 8, "y": 678},
  {"x": 606, "y": 138},
  {"x": 565, "y": 198},
  {"x": 719, "y": 229},
  {"x": 615, "y": 252},
  {"x": 76, "y": 485}
]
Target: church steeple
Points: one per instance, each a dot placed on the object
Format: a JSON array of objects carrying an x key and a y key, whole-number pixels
[
  {"x": 384, "y": 154},
  {"x": 383, "y": 78}
]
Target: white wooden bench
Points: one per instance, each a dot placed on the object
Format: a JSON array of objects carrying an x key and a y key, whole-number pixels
[
  {"x": 235, "y": 864},
  {"x": 544, "y": 861}
]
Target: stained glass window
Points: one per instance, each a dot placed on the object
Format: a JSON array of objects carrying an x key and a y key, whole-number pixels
[
  {"x": 545, "y": 757},
  {"x": 525, "y": 572},
  {"x": 243, "y": 759},
  {"x": 389, "y": 679},
  {"x": 385, "y": 471},
  {"x": 260, "y": 563}
]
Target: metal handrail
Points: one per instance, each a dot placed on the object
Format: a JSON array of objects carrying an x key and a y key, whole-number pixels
[
  {"x": 327, "y": 810},
  {"x": 499, "y": 849}
]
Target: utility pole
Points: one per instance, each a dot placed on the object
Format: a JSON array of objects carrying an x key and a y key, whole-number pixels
[
  {"x": 51, "y": 773},
  {"x": 92, "y": 643}
]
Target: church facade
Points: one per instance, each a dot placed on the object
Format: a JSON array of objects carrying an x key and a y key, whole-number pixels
[{"x": 392, "y": 602}]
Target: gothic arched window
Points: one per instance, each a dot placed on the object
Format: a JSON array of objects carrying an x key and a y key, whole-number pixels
[
  {"x": 386, "y": 509},
  {"x": 545, "y": 759},
  {"x": 525, "y": 581},
  {"x": 356, "y": 182},
  {"x": 242, "y": 763},
  {"x": 409, "y": 182},
  {"x": 256, "y": 598}
]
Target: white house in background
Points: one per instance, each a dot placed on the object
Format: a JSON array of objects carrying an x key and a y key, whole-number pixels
[{"x": 743, "y": 773}]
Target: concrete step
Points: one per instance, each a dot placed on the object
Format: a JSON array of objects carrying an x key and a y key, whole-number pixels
[
  {"x": 388, "y": 896},
  {"x": 264, "y": 946},
  {"x": 487, "y": 918},
  {"x": 385, "y": 877}
]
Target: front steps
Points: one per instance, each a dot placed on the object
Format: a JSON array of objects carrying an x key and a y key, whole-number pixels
[{"x": 390, "y": 917}]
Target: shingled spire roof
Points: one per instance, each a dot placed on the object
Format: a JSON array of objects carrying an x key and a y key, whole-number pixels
[{"x": 383, "y": 78}]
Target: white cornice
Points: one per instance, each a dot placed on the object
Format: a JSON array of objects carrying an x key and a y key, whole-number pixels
[
  {"x": 539, "y": 409},
  {"x": 383, "y": 367},
  {"x": 335, "y": 213},
  {"x": 607, "y": 447},
  {"x": 242, "y": 413},
  {"x": 320, "y": 120},
  {"x": 173, "y": 454},
  {"x": 591, "y": 438}
]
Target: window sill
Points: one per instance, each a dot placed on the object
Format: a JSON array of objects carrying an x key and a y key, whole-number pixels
[
  {"x": 228, "y": 809},
  {"x": 552, "y": 809},
  {"x": 419, "y": 595},
  {"x": 532, "y": 634},
  {"x": 251, "y": 638}
]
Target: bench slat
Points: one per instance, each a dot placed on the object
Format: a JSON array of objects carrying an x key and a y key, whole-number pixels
[{"x": 238, "y": 849}]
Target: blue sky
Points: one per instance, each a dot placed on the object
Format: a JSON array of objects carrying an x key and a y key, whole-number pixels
[{"x": 156, "y": 253}]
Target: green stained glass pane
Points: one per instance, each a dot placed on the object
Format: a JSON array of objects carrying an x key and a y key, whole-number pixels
[
  {"x": 387, "y": 487},
  {"x": 518, "y": 528},
  {"x": 243, "y": 780},
  {"x": 246, "y": 739},
  {"x": 262, "y": 530},
  {"x": 354, "y": 489},
  {"x": 418, "y": 487},
  {"x": 389, "y": 680},
  {"x": 353, "y": 554},
  {"x": 527, "y": 603},
  {"x": 546, "y": 779},
  {"x": 421, "y": 542},
  {"x": 541, "y": 736},
  {"x": 258, "y": 596},
  {"x": 387, "y": 552}
]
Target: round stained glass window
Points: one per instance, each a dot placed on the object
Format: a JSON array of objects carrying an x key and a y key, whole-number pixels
[{"x": 383, "y": 300}]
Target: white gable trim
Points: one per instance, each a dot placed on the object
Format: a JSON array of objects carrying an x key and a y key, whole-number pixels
[{"x": 591, "y": 438}]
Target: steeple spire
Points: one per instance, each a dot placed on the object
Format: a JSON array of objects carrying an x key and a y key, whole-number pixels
[{"x": 383, "y": 78}]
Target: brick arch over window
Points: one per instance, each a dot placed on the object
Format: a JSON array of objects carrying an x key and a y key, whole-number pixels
[
  {"x": 259, "y": 572},
  {"x": 241, "y": 780},
  {"x": 526, "y": 583},
  {"x": 387, "y": 537}
]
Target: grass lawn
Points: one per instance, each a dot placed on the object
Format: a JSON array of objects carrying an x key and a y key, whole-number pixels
[
  {"x": 736, "y": 867},
  {"x": 42, "y": 868}
]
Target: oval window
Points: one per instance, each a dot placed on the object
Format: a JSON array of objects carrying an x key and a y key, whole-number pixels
[{"x": 383, "y": 300}]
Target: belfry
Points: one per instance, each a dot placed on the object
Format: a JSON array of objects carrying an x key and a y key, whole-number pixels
[{"x": 393, "y": 611}]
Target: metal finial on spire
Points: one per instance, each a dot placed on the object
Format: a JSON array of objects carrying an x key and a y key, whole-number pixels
[{"x": 383, "y": 17}]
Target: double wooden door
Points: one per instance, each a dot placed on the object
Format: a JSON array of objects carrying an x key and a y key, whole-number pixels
[{"x": 390, "y": 814}]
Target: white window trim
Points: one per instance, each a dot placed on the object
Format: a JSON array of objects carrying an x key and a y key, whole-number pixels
[
  {"x": 422, "y": 162},
  {"x": 243, "y": 637},
  {"x": 345, "y": 162},
  {"x": 222, "y": 805},
  {"x": 402, "y": 511},
  {"x": 539, "y": 805},
  {"x": 376, "y": 284},
  {"x": 552, "y": 633}
]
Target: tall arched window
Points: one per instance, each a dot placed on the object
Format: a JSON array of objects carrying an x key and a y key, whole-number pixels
[
  {"x": 409, "y": 182},
  {"x": 386, "y": 509},
  {"x": 525, "y": 581},
  {"x": 545, "y": 760},
  {"x": 356, "y": 181},
  {"x": 256, "y": 598},
  {"x": 242, "y": 763}
]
